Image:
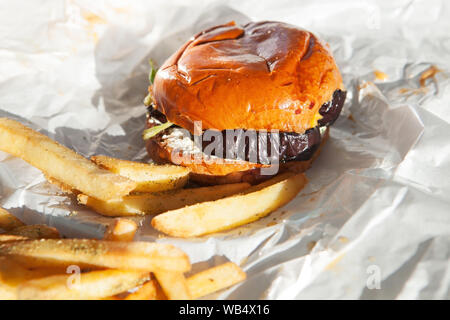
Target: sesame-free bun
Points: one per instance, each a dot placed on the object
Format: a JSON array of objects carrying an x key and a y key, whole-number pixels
[{"x": 265, "y": 75}]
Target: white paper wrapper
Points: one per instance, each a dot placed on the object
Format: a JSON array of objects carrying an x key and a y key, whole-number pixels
[{"x": 374, "y": 220}]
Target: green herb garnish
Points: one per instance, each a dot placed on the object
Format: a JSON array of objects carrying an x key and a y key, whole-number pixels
[
  {"x": 151, "y": 77},
  {"x": 152, "y": 74}
]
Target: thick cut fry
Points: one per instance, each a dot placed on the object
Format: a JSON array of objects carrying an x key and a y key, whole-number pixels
[
  {"x": 148, "y": 291},
  {"x": 61, "y": 163},
  {"x": 89, "y": 285},
  {"x": 13, "y": 274},
  {"x": 97, "y": 254},
  {"x": 227, "y": 213},
  {"x": 8, "y": 221},
  {"x": 155, "y": 203},
  {"x": 173, "y": 284},
  {"x": 121, "y": 229},
  {"x": 215, "y": 279},
  {"x": 149, "y": 177},
  {"x": 36, "y": 231},
  {"x": 10, "y": 237}
]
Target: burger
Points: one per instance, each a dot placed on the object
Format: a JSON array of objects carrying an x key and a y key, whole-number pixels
[{"x": 244, "y": 102}]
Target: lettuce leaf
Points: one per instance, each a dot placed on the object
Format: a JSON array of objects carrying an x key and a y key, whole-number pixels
[
  {"x": 148, "y": 100},
  {"x": 151, "y": 78},
  {"x": 152, "y": 73}
]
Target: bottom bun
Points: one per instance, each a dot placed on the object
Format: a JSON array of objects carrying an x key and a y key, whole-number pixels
[{"x": 230, "y": 171}]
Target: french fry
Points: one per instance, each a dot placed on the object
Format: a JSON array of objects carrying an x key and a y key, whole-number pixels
[
  {"x": 36, "y": 231},
  {"x": 173, "y": 284},
  {"x": 10, "y": 237},
  {"x": 96, "y": 254},
  {"x": 199, "y": 285},
  {"x": 8, "y": 221},
  {"x": 148, "y": 291},
  {"x": 13, "y": 274},
  {"x": 89, "y": 285},
  {"x": 121, "y": 229},
  {"x": 155, "y": 203},
  {"x": 61, "y": 163},
  {"x": 230, "y": 212},
  {"x": 214, "y": 279},
  {"x": 149, "y": 177}
]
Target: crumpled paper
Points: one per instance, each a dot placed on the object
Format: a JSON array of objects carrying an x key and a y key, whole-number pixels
[{"x": 373, "y": 223}]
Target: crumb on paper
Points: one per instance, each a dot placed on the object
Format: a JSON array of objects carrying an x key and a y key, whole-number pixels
[
  {"x": 61, "y": 185},
  {"x": 371, "y": 258},
  {"x": 343, "y": 239},
  {"x": 350, "y": 117},
  {"x": 311, "y": 245},
  {"x": 407, "y": 91},
  {"x": 334, "y": 262},
  {"x": 365, "y": 84},
  {"x": 243, "y": 261},
  {"x": 428, "y": 74},
  {"x": 270, "y": 224},
  {"x": 92, "y": 18},
  {"x": 122, "y": 10},
  {"x": 380, "y": 75}
]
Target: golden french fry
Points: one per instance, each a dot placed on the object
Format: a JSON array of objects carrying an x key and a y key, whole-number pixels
[
  {"x": 89, "y": 285},
  {"x": 149, "y": 177},
  {"x": 13, "y": 274},
  {"x": 10, "y": 237},
  {"x": 36, "y": 231},
  {"x": 230, "y": 212},
  {"x": 148, "y": 291},
  {"x": 61, "y": 163},
  {"x": 121, "y": 229},
  {"x": 173, "y": 284},
  {"x": 87, "y": 253},
  {"x": 155, "y": 203},
  {"x": 8, "y": 221},
  {"x": 215, "y": 279}
]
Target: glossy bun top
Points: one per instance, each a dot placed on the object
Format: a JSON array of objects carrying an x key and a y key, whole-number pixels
[{"x": 264, "y": 75}]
